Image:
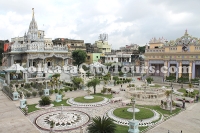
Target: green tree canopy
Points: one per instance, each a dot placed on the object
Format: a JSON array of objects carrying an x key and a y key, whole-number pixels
[
  {"x": 77, "y": 81},
  {"x": 93, "y": 83},
  {"x": 79, "y": 56},
  {"x": 141, "y": 49}
]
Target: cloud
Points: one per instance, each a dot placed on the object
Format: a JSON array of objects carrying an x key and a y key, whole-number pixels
[{"x": 125, "y": 22}]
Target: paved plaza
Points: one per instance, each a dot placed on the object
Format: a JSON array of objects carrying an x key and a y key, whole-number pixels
[
  {"x": 188, "y": 121},
  {"x": 12, "y": 120}
]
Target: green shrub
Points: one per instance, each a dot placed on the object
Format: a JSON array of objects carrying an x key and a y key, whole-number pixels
[
  {"x": 41, "y": 92},
  {"x": 75, "y": 88},
  {"x": 51, "y": 91},
  {"x": 27, "y": 85},
  {"x": 121, "y": 73},
  {"x": 28, "y": 94},
  {"x": 66, "y": 89},
  {"x": 61, "y": 90},
  {"x": 22, "y": 85},
  {"x": 70, "y": 89},
  {"x": 34, "y": 93},
  {"x": 56, "y": 90},
  {"x": 45, "y": 100},
  {"x": 16, "y": 85}
]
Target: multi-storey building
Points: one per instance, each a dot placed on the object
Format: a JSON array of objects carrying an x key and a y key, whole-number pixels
[
  {"x": 70, "y": 43},
  {"x": 130, "y": 48},
  {"x": 91, "y": 48},
  {"x": 180, "y": 53},
  {"x": 103, "y": 46}
]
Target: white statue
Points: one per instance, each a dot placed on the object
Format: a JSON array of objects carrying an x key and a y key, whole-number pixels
[
  {"x": 145, "y": 82},
  {"x": 22, "y": 95},
  {"x": 14, "y": 88}
]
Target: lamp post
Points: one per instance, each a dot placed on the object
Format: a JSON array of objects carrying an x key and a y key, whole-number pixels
[
  {"x": 133, "y": 124},
  {"x": 171, "y": 100},
  {"x": 133, "y": 101}
]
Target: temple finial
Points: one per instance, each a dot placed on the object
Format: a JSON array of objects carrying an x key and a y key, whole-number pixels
[
  {"x": 33, "y": 13},
  {"x": 186, "y": 32}
]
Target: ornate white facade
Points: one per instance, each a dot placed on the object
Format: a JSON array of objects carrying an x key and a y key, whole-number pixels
[{"x": 33, "y": 49}]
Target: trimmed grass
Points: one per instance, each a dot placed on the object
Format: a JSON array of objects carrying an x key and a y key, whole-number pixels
[
  {"x": 164, "y": 112},
  {"x": 142, "y": 114},
  {"x": 183, "y": 90},
  {"x": 124, "y": 129},
  {"x": 64, "y": 102},
  {"x": 109, "y": 96},
  {"x": 32, "y": 108},
  {"x": 83, "y": 100}
]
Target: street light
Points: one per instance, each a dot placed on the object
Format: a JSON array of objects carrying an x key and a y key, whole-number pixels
[
  {"x": 133, "y": 101},
  {"x": 171, "y": 100}
]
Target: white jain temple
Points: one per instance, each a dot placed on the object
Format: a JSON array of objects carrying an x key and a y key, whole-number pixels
[{"x": 33, "y": 49}]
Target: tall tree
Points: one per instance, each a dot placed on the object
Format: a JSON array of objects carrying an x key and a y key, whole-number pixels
[
  {"x": 77, "y": 81},
  {"x": 93, "y": 83},
  {"x": 141, "y": 49},
  {"x": 55, "y": 79},
  {"x": 102, "y": 125},
  {"x": 79, "y": 56}
]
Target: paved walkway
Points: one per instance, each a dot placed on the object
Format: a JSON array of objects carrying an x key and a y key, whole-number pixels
[
  {"x": 12, "y": 120},
  {"x": 187, "y": 121}
]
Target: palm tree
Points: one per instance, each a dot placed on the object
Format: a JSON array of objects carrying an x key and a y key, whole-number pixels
[
  {"x": 167, "y": 93},
  {"x": 101, "y": 125},
  {"x": 149, "y": 80},
  {"x": 190, "y": 85},
  {"x": 55, "y": 79},
  {"x": 51, "y": 83},
  {"x": 93, "y": 83},
  {"x": 77, "y": 82}
]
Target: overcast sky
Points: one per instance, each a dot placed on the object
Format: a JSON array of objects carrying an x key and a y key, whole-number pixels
[{"x": 125, "y": 21}]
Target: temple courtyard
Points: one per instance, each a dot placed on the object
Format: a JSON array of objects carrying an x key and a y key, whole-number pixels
[{"x": 78, "y": 115}]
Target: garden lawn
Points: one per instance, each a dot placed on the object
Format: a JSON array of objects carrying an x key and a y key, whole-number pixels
[
  {"x": 32, "y": 108},
  {"x": 109, "y": 96},
  {"x": 64, "y": 102},
  {"x": 83, "y": 100},
  {"x": 124, "y": 129},
  {"x": 142, "y": 114},
  {"x": 164, "y": 112},
  {"x": 183, "y": 90}
]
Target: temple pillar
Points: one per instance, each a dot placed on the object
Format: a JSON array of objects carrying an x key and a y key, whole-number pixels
[
  {"x": 8, "y": 78},
  {"x": 147, "y": 65},
  {"x": 27, "y": 63},
  {"x": 177, "y": 66},
  {"x": 190, "y": 71},
  {"x": 180, "y": 69},
  {"x": 32, "y": 62},
  {"x": 25, "y": 77},
  {"x": 193, "y": 70},
  {"x": 166, "y": 65},
  {"x": 168, "y": 68},
  {"x": 63, "y": 62},
  {"x": 11, "y": 60}
]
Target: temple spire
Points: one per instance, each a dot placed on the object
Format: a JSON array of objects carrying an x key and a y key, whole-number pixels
[
  {"x": 186, "y": 32},
  {"x": 33, "y": 13}
]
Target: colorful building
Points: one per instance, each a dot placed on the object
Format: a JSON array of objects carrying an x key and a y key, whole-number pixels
[{"x": 180, "y": 53}]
